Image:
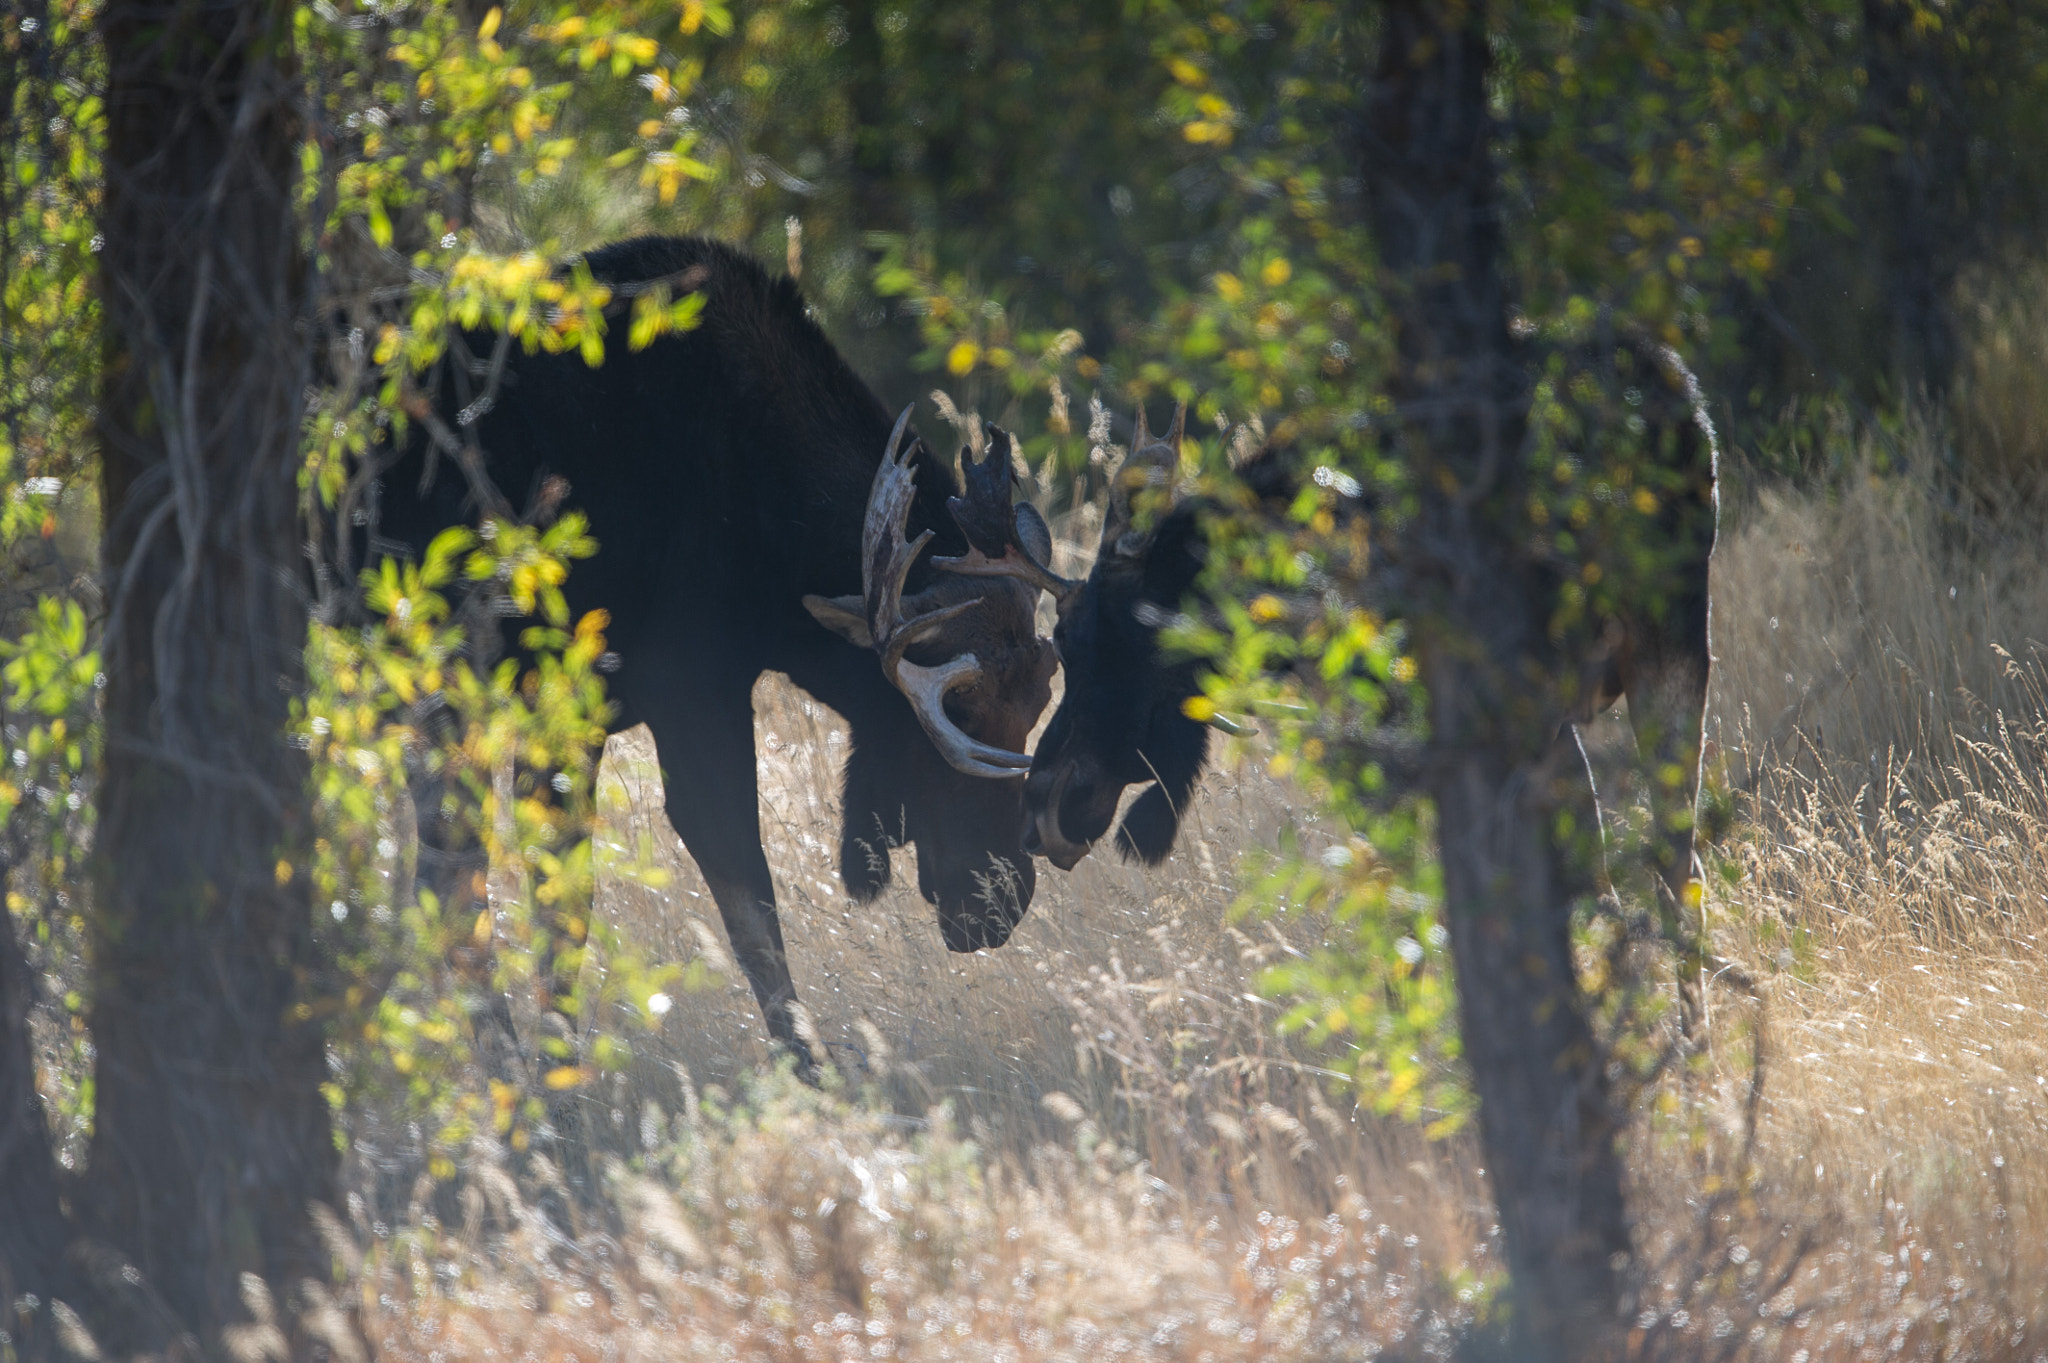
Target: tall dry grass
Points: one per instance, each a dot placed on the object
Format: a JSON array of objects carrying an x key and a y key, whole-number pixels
[
  {"x": 1880, "y": 711},
  {"x": 1090, "y": 1144},
  {"x": 1097, "y": 1124}
]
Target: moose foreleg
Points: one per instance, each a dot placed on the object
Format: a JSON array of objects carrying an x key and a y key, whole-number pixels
[
  {"x": 708, "y": 774},
  {"x": 754, "y": 930}
]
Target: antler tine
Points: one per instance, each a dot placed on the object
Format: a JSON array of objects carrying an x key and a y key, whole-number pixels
[
  {"x": 885, "y": 557},
  {"x": 1149, "y": 461},
  {"x": 896, "y": 432}
]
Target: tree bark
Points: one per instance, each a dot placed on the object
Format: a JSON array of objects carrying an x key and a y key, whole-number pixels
[
  {"x": 1501, "y": 775},
  {"x": 1907, "y": 96},
  {"x": 211, "y": 1137},
  {"x": 34, "y": 1231}
]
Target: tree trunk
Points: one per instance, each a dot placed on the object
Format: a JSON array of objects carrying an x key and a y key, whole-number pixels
[
  {"x": 1907, "y": 97},
  {"x": 1500, "y": 774},
  {"x": 211, "y": 1138},
  {"x": 33, "y": 1230}
]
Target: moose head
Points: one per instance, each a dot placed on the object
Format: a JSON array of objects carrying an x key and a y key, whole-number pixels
[
  {"x": 1121, "y": 722},
  {"x": 967, "y": 656}
]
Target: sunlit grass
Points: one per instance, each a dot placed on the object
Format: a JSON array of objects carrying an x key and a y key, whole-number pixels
[{"x": 1108, "y": 1153}]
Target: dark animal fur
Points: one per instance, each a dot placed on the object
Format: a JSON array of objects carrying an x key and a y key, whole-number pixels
[{"x": 725, "y": 474}]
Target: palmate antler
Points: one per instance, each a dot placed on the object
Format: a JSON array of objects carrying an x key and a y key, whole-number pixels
[
  {"x": 996, "y": 534},
  {"x": 886, "y": 559},
  {"x": 997, "y": 537}
]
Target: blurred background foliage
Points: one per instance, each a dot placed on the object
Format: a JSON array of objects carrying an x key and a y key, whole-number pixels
[{"x": 1052, "y": 212}]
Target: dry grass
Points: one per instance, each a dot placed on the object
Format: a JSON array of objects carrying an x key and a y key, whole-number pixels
[
  {"x": 1881, "y": 709},
  {"x": 1086, "y": 1145},
  {"x": 1090, "y": 1144}
]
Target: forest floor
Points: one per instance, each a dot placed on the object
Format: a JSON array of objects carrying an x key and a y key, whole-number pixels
[{"x": 1091, "y": 1144}]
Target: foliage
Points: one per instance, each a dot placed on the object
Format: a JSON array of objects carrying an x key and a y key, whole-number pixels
[
  {"x": 399, "y": 712},
  {"x": 1044, "y": 207},
  {"x": 49, "y": 371},
  {"x": 49, "y": 689},
  {"x": 1658, "y": 153},
  {"x": 422, "y": 118},
  {"x": 425, "y": 118},
  {"x": 49, "y": 317}
]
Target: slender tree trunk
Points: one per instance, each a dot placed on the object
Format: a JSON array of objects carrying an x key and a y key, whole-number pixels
[
  {"x": 34, "y": 1232},
  {"x": 1500, "y": 775},
  {"x": 1907, "y": 96},
  {"x": 211, "y": 1138}
]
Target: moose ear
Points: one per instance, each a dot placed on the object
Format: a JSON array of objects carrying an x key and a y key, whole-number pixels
[{"x": 845, "y": 616}]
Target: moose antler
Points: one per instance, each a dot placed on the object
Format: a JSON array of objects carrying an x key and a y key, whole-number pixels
[
  {"x": 996, "y": 534},
  {"x": 1150, "y": 463},
  {"x": 885, "y": 564}
]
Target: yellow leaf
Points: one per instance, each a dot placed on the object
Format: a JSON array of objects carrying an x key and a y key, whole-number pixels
[
  {"x": 1186, "y": 72},
  {"x": 961, "y": 358},
  {"x": 1199, "y": 708},
  {"x": 489, "y": 27},
  {"x": 1267, "y": 608},
  {"x": 1277, "y": 271},
  {"x": 283, "y": 872},
  {"x": 566, "y": 1076},
  {"x": 481, "y": 932}
]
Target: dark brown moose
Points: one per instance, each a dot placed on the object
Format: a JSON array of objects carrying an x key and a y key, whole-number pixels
[{"x": 745, "y": 486}]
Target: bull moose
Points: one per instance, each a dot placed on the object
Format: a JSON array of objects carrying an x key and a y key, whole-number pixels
[
  {"x": 1122, "y": 720},
  {"x": 751, "y": 504}
]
